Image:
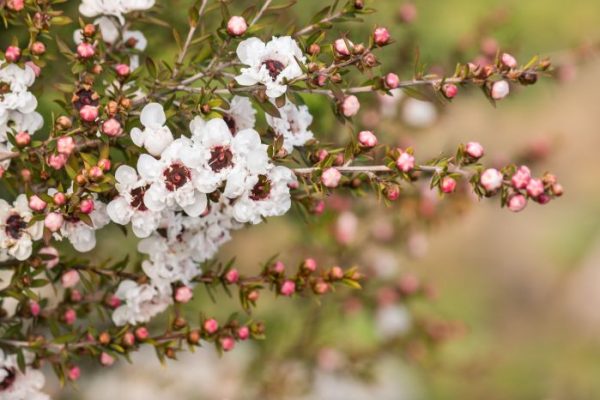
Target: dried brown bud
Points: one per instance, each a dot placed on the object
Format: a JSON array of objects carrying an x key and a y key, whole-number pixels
[
  {"x": 63, "y": 122},
  {"x": 359, "y": 48},
  {"x": 314, "y": 49},
  {"x": 194, "y": 337},
  {"x": 112, "y": 108},
  {"x": 104, "y": 338},
  {"x": 170, "y": 353},
  {"x": 89, "y": 30},
  {"x": 80, "y": 179},
  {"x": 125, "y": 103},
  {"x": 97, "y": 69},
  {"x": 205, "y": 108},
  {"x": 179, "y": 323},
  {"x": 528, "y": 77},
  {"x": 313, "y": 67},
  {"x": 336, "y": 78},
  {"x": 370, "y": 60},
  {"x": 359, "y": 4}
]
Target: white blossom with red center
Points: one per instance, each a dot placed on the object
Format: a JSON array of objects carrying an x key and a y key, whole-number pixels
[
  {"x": 16, "y": 233},
  {"x": 18, "y": 385},
  {"x": 140, "y": 302},
  {"x": 116, "y": 8},
  {"x": 270, "y": 64},
  {"x": 241, "y": 115},
  {"x": 293, "y": 125}
]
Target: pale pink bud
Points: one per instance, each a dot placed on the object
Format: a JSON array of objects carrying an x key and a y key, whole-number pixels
[
  {"x": 278, "y": 267},
  {"x": 65, "y": 145},
  {"x": 74, "y": 373},
  {"x": 448, "y": 184},
  {"x": 321, "y": 287},
  {"x": 405, "y": 162},
  {"x": 491, "y": 179},
  {"x": 319, "y": 207},
  {"x": 392, "y": 193},
  {"x": 96, "y": 172},
  {"x": 381, "y": 36},
  {"x": 521, "y": 178},
  {"x": 113, "y": 301},
  {"x": 76, "y": 296},
  {"x": 70, "y": 316},
  {"x": 236, "y": 26},
  {"x": 409, "y": 284},
  {"x": 211, "y": 326},
  {"x": 322, "y": 154},
  {"x": 392, "y": 81},
  {"x": 35, "y": 308},
  {"x": 336, "y": 273},
  {"x": 288, "y": 288},
  {"x": 88, "y": 113},
  {"x": 341, "y": 47},
  {"x": 85, "y": 50},
  {"x": 57, "y": 161},
  {"x": 183, "y": 294},
  {"x": 51, "y": 257},
  {"x": 15, "y": 5},
  {"x": 310, "y": 264},
  {"x": 122, "y": 70},
  {"x": 53, "y": 221},
  {"x": 12, "y": 54},
  {"x": 407, "y": 13},
  {"x": 367, "y": 139},
  {"x": 232, "y": 276},
  {"x": 535, "y": 187},
  {"x": 105, "y": 164},
  {"x": 86, "y": 206},
  {"x": 36, "y": 70},
  {"x": 70, "y": 278},
  {"x": 26, "y": 174},
  {"x": 142, "y": 333},
  {"x": 331, "y": 177},
  {"x": 38, "y": 48},
  {"x": 500, "y": 90},
  {"x": 59, "y": 198},
  {"x": 243, "y": 333},
  {"x": 227, "y": 343},
  {"x": 450, "y": 90},
  {"x": 106, "y": 359},
  {"x": 508, "y": 60},
  {"x": 23, "y": 139},
  {"x": 543, "y": 198},
  {"x": 517, "y": 202},
  {"x": 474, "y": 150},
  {"x": 129, "y": 339},
  {"x": 350, "y": 106},
  {"x": 37, "y": 204},
  {"x": 254, "y": 295},
  {"x": 112, "y": 127}
]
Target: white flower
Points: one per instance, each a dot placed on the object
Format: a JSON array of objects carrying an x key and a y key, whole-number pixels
[
  {"x": 268, "y": 196},
  {"x": 293, "y": 125},
  {"x": 392, "y": 321},
  {"x": 241, "y": 115},
  {"x": 15, "y": 121},
  {"x": 140, "y": 302},
  {"x": 418, "y": 113},
  {"x": 156, "y": 136},
  {"x": 16, "y": 235},
  {"x": 18, "y": 98},
  {"x": 225, "y": 157},
  {"x": 271, "y": 64},
  {"x": 172, "y": 178},
  {"x": 388, "y": 104},
  {"x": 16, "y": 385},
  {"x": 129, "y": 205},
  {"x": 93, "y": 8}
]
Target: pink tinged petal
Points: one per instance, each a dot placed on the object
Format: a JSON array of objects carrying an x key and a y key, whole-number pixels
[{"x": 153, "y": 116}]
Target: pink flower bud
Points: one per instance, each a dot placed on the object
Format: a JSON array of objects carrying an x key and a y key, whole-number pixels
[
  {"x": 236, "y": 26},
  {"x": 535, "y": 187},
  {"x": 74, "y": 373},
  {"x": 474, "y": 150},
  {"x": 448, "y": 184},
  {"x": 392, "y": 193},
  {"x": 392, "y": 81},
  {"x": 76, "y": 296},
  {"x": 53, "y": 221},
  {"x": 243, "y": 333},
  {"x": 367, "y": 139},
  {"x": 227, "y": 343},
  {"x": 409, "y": 284},
  {"x": 407, "y": 13},
  {"x": 254, "y": 295},
  {"x": 450, "y": 90},
  {"x": 350, "y": 106},
  {"x": 23, "y": 139},
  {"x": 508, "y": 60},
  {"x": 318, "y": 207},
  {"x": 113, "y": 301},
  {"x": 543, "y": 198},
  {"x": 405, "y": 162},
  {"x": 183, "y": 294},
  {"x": 15, "y": 5},
  {"x": 88, "y": 113},
  {"x": 59, "y": 198},
  {"x": 26, "y": 174},
  {"x": 123, "y": 70},
  {"x": 142, "y": 333},
  {"x": 57, "y": 161},
  {"x": 70, "y": 316},
  {"x": 278, "y": 267},
  {"x": 112, "y": 127},
  {"x": 36, "y": 70},
  {"x": 517, "y": 202},
  {"x": 96, "y": 172},
  {"x": 322, "y": 154},
  {"x": 70, "y": 278},
  {"x": 211, "y": 326},
  {"x": 105, "y": 164},
  {"x": 500, "y": 90},
  {"x": 86, "y": 206},
  {"x": 65, "y": 145},
  {"x": 38, "y": 48},
  {"x": 491, "y": 179},
  {"x": 341, "y": 47},
  {"x": 85, "y": 50},
  {"x": 12, "y": 54},
  {"x": 321, "y": 287},
  {"x": 232, "y": 276},
  {"x": 381, "y": 36},
  {"x": 331, "y": 177},
  {"x": 51, "y": 257},
  {"x": 35, "y": 308},
  {"x": 37, "y": 204},
  {"x": 521, "y": 178},
  {"x": 288, "y": 288},
  {"x": 310, "y": 264},
  {"x": 336, "y": 273},
  {"x": 106, "y": 359},
  {"x": 128, "y": 339}
]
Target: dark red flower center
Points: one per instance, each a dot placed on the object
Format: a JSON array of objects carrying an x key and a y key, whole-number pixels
[
  {"x": 11, "y": 375},
  {"x": 137, "y": 198},
  {"x": 274, "y": 67},
  {"x": 85, "y": 97},
  {"x": 176, "y": 176},
  {"x": 15, "y": 225},
  {"x": 220, "y": 157},
  {"x": 230, "y": 121},
  {"x": 262, "y": 189}
]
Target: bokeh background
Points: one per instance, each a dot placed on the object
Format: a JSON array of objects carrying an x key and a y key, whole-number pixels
[{"x": 523, "y": 288}]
